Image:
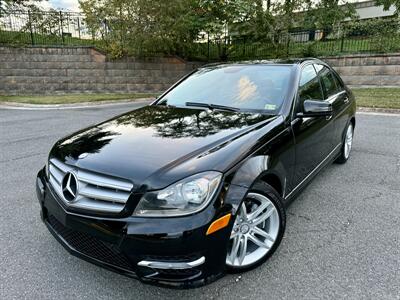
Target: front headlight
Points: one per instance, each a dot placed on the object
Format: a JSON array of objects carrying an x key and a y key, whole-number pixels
[{"x": 185, "y": 197}]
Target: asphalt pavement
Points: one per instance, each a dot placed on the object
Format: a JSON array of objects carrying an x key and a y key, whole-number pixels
[{"x": 342, "y": 238}]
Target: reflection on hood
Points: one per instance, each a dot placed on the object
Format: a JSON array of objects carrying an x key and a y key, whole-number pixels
[{"x": 180, "y": 122}]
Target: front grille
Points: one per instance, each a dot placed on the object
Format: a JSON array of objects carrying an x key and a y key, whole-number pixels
[
  {"x": 90, "y": 246},
  {"x": 98, "y": 193}
]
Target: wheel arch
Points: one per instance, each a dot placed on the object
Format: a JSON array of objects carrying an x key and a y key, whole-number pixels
[
  {"x": 273, "y": 180},
  {"x": 257, "y": 168},
  {"x": 353, "y": 121}
]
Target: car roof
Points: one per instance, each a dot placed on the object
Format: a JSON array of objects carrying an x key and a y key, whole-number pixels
[{"x": 289, "y": 61}]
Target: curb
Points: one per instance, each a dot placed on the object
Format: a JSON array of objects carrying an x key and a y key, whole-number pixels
[
  {"x": 27, "y": 106},
  {"x": 378, "y": 110}
]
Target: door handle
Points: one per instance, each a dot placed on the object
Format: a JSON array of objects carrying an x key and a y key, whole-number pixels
[
  {"x": 329, "y": 117},
  {"x": 346, "y": 100}
]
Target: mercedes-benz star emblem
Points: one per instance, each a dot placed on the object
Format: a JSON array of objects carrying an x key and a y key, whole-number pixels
[{"x": 70, "y": 186}]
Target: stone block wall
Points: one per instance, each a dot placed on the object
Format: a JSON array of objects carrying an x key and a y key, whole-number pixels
[
  {"x": 51, "y": 70},
  {"x": 79, "y": 70},
  {"x": 368, "y": 69}
]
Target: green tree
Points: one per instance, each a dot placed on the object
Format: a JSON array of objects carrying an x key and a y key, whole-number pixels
[
  {"x": 327, "y": 14},
  {"x": 388, "y": 3},
  {"x": 7, "y": 5},
  {"x": 141, "y": 26}
]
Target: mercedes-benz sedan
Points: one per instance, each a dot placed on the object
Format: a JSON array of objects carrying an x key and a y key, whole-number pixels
[{"x": 196, "y": 184}]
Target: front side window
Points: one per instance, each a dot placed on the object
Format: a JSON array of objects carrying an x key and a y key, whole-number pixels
[
  {"x": 246, "y": 87},
  {"x": 309, "y": 87}
]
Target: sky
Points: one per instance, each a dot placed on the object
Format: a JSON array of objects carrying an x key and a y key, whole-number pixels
[{"x": 70, "y": 5}]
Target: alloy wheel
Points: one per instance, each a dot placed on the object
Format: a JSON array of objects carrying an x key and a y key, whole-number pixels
[
  {"x": 255, "y": 231},
  {"x": 348, "y": 142}
]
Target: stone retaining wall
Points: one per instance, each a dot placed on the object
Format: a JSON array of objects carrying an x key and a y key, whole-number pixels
[
  {"x": 368, "y": 70},
  {"x": 49, "y": 70},
  {"x": 78, "y": 70}
]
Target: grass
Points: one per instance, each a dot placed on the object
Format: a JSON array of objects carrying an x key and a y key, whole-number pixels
[
  {"x": 72, "y": 98},
  {"x": 377, "y": 97},
  {"x": 366, "y": 97}
]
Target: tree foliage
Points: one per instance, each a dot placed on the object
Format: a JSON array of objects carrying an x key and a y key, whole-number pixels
[
  {"x": 388, "y": 3},
  {"x": 6, "y": 5},
  {"x": 151, "y": 26},
  {"x": 158, "y": 26},
  {"x": 328, "y": 14}
]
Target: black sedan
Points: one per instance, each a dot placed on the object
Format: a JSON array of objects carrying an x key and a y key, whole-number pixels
[{"x": 196, "y": 184}]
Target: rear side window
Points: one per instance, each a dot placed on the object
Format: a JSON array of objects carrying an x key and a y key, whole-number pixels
[
  {"x": 309, "y": 88},
  {"x": 339, "y": 83},
  {"x": 330, "y": 84}
]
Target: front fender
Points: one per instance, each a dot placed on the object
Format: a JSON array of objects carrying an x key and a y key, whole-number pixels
[{"x": 249, "y": 172}]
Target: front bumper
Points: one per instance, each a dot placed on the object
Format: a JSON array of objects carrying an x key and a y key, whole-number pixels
[{"x": 153, "y": 250}]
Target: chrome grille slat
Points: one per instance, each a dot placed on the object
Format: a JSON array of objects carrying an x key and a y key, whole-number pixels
[
  {"x": 56, "y": 186},
  {"x": 61, "y": 166},
  {"x": 56, "y": 173},
  {"x": 104, "y": 194},
  {"x": 100, "y": 181},
  {"x": 97, "y": 206},
  {"x": 96, "y": 192}
]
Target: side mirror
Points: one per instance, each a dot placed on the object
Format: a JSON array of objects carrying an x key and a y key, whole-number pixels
[{"x": 316, "y": 108}]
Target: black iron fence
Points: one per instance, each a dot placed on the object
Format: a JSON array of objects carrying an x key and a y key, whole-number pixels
[
  {"x": 379, "y": 36},
  {"x": 56, "y": 28},
  {"x": 50, "y": 28}
]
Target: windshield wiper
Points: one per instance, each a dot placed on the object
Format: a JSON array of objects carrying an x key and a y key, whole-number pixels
[{"x": 212, "y": 106}]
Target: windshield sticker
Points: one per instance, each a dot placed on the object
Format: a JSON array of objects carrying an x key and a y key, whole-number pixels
[{"x": 270, "y": 106}]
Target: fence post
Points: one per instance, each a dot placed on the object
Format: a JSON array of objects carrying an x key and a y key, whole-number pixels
[
  {"x": 30, "y": 28},
  {"x": 79, "y": 28},
  {"x": 342, "y": 43},
  {"x": 244, "y": 46},
  {"x": 208, "y": 47},
  {"x": 288, "y": 45},
  {"x": 61, "y": 28}
]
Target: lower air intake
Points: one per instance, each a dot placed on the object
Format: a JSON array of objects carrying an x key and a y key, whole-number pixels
[{"x": 90, "y": 246}]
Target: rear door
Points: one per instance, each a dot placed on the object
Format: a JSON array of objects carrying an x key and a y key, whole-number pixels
[{"x": 335, "y": 93}]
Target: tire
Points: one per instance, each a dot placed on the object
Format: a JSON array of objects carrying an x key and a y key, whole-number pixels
[
  {"x": 264, "y": 199},
  {"x": 347, "y": 144}
]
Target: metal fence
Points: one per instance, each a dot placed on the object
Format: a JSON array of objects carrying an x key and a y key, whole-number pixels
[
  {"x": 51, "y": 28},
  {"x": 304, "y": 43},
  {"x": 56, "y": 28}
]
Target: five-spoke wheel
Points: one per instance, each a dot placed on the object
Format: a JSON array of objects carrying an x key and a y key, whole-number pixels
[
  {"x": 348, "y": 141},
  {"x": 347, "y": 144},
  {"x": 256, "y": 229}
]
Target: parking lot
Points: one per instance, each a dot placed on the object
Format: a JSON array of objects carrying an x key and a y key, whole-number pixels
[{"x": 342, "y": 238}]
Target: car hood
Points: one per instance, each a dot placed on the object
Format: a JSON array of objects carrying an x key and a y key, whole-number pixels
[{"x": 146, "y": 144}]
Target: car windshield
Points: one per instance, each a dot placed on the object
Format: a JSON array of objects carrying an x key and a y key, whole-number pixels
[{"x": 244, "y": 87}]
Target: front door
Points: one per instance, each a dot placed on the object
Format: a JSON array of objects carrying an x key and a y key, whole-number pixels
[{"x": 314, "y": 136}]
